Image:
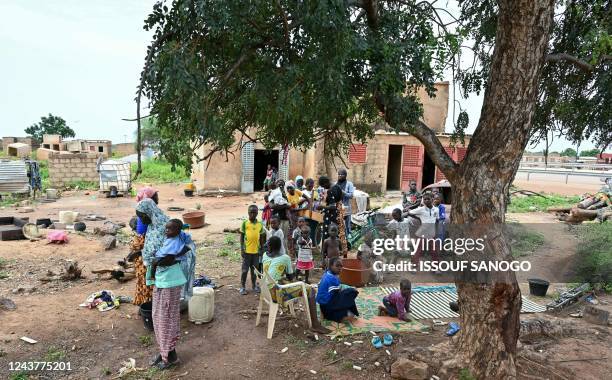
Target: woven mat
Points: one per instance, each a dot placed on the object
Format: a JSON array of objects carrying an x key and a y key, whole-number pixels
[
  {"x": 430, "y": 302},
  {"x": 367, "y": 303}
]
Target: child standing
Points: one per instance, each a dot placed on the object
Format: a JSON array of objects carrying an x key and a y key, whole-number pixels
[
  {"x": 305, "y": 261},
  {"x": 275, "y": 230},
  {"x": 295, "y": 235},
  {"x": 332, "y": 247},
  {"x": 252, "y": 238},
  {"x": 397, "y": 304},
  {"x": 175, "y": 244},
  {"x": 428, "y": 215},
  {"x": 401, "y": 228}
]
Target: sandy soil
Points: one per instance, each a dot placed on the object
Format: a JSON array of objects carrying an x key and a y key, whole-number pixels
[{"x": 230, "y": 347}]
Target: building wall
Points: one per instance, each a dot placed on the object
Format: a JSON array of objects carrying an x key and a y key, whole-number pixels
[
  {"x": 221, "y": 173},
  {"x": 435, "y": 110},
  {"x": 69, "y": 168},
  {"x": 371, "y": 176},
  {"x": 124, "y": 149},
  {"x": 6, "y": 141}
]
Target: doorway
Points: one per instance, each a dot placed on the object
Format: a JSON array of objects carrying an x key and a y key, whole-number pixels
[
  {"x": 263, "y": 158},
  {"x": 394, "y": 167},
  {"x": 429, "y": 171}
]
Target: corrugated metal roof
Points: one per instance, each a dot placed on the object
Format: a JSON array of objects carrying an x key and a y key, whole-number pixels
[
  {"x": 13, "y": 177},
  {"x": 434, "y": 304}
]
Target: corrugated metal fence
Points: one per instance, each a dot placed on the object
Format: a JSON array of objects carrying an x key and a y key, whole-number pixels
[{"x": 13, "y": 177}]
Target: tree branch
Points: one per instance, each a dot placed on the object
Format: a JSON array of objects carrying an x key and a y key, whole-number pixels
[
  {"x": 435, "y": 150},
  {"x": 581, "y": 64}
]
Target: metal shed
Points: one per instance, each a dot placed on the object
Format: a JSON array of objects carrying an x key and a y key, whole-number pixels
[{"x": 13, "y": 177}]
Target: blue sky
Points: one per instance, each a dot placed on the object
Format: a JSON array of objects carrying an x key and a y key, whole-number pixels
[{"x": 81, "y": 60}]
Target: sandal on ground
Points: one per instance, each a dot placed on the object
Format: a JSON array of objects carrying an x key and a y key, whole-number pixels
[
  {"x": 243, "y": 291},
  {"x": 376, "y": 342},
  {"x": 162, "y": 365},
  {"x": 155, "y": 360},
  {"x": 388, "y": 339}
]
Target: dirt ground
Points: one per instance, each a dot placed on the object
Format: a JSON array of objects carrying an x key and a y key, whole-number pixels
[{"x": 230, "y": 347}]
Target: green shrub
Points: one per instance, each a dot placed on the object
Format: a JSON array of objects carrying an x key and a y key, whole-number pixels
[
  {"x": 522, "y": 241},
  {"x": 595, "y": 251},
  {"x": 160, "y": 171}
]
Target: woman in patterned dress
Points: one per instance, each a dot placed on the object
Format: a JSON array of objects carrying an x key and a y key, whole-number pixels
[{"x": 333, "y": 211}]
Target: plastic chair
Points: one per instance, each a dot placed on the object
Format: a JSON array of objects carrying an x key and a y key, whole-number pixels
[{"x": 266, "y": 297}]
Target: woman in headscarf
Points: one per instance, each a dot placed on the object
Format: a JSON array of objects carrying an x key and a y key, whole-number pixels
[
  {"x": 144, "y": 293},
  {"x": 173, "y": 281},
  {"x": 333, "y": 211},
  {"x": 299, "y": 183}
]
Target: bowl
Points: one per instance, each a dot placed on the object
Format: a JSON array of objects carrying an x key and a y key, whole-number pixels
[{"x": 195, "y": 219}]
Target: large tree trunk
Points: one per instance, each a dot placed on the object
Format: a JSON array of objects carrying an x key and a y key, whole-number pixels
[{"x": 490, "y": 306}]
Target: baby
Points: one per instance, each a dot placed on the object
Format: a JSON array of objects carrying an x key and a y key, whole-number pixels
[{"x": 175, "y": 244}]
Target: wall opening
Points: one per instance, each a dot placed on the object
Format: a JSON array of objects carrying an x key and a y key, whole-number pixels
[
  {"x": 429, "y": 171},
  {"x": 394, "y": 167},
  {"x": 262, "y": 159},
  {"x": 101, "y": 149}
]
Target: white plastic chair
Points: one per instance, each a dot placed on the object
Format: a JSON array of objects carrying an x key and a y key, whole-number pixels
[{"x": 266, "y": 297}]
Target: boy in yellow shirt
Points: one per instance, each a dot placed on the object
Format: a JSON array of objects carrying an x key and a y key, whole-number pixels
[{"x": 252, "y": 239}]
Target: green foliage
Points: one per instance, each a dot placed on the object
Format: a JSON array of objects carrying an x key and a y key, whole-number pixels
[
  {"x": 589, "y": 153},
  {"x": 160, "y": 171},
  {"x": 43, "y": 167},
  {"x": 4, "y": 275},
  {"x": 19, "y": 376},
  {"x": 145, "y": 340},
  {"x": 595, "y": 251},
  {"x": 536, "y": 203},
  {"x": 568, "y": 152},
  {"x": 150, "y": 134},
  {"x": 297, "y": 71},
  {"x": 522, "y": 241},
  {"x": 55, "y": 354},
  {"x": 49, "y": 125},
  {"x": 575, "y": 100},
  {"x": 464, "y": 374}
]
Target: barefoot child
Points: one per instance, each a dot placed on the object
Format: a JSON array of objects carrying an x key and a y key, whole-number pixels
[
  {"x": 367, "y": 256},
  {"x": 252, "y": 239},
  {"x": 332, "y": 247},
  {"x": 337, "y": 302},
  {"x": 397, "y": 304},
  {"x": 305, "y": 261},
  {"x": 175, "y": 244}
]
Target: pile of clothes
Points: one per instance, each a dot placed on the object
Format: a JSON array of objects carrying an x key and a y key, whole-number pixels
[{"x": 103, "y": 300}]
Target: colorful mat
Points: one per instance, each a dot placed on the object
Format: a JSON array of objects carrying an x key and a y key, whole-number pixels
[
  {"x": 430, "y": 302},
  {"x": 367, "y": 303}
]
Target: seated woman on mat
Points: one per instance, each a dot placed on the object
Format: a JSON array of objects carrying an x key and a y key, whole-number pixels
[
  {"x": 278, "y": 265},
  {"x": 337, "y": 303}
]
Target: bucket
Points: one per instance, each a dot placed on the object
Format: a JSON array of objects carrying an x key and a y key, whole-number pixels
[
  {"x": 538, "y": 287},
  {"x": 146, "y": 312},
  {"x": 68, "y": 217},
  {"x": 188, "y": 193},
  {"x": 354, "y": 273},
  {"x": 51, "y": 193}
]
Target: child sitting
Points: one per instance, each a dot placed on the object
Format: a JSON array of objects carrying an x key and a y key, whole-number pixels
[
  {"x": 175, "y": 244},
  {"x": 304, "y": 260},
  {"x": 397, "y": 304},
  {"x": 332, "y": 246}
]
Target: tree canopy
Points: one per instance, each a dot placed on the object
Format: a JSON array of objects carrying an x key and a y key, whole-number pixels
[
  {"x": 49, "y": 125},
  {"x": 299, "y": 71}
]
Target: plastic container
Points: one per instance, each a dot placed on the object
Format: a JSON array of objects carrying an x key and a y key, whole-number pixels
[
  {"x": 51, "y": 193},
  {"x": 538, "y": 287},
  {"x": 195, "y": 219},
  {"x": 354, "y": 273},
  {"x": 68, "y": 217},
  {"x": 202, "y": 305},
  {"x": 146, "y": 312},
  {"x": 188, "y": 193},
  {"x": 80, "y": 226}
]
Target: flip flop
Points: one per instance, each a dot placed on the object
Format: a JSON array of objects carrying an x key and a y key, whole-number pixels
[
  {"x": 388, "y": 339},
  {"x": 376, "y": 342}
]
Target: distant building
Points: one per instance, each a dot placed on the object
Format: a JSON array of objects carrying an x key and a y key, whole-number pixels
[
  {"x": 54, "y": 144},
  {"x": 389, "y": 161},
  {"x": 6, "y": 141},
  {"x": 604, "y": 158},
  {"x": 553, "y": 158}
]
